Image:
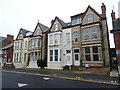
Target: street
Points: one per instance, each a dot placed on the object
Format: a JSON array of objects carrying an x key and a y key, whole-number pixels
[{"x": 11, "y": 79}]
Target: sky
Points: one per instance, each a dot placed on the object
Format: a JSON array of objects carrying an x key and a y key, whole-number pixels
[{"x": 16, "y": 14}]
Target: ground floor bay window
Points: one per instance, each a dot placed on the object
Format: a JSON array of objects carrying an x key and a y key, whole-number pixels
[
  {"x": 53, "y": 55},
  {"x": 54, "y": 58},
  {"x": 91, "y": 53}
]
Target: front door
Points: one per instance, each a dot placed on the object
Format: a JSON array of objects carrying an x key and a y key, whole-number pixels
[
  {"x": 76, "y": 59},
  {"x": 68, "y": 57}
]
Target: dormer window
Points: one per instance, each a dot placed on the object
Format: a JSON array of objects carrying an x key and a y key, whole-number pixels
[
  {"x": 56, "y": 26},
  {"x": 76, "y": 21},
  {"x": 90, "y": 18}
]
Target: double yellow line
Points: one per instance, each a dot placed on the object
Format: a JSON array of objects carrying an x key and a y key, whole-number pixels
[{"x": 54, "y": 75}]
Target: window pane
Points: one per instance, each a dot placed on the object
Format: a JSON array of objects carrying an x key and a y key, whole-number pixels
[
  {"x": 51, "y": 55},
  {"x": 67, "y": 38},
  {"x": 87, "y": 50},
  {"x": 95, "y": 49},
  {"x": 68, "y": 51},
  {"x": 51, "y": 39},
  {"x": 56, "y": 55},
  {"x": 94, "y": 32},
  {"x": 87, "y": 57},
  {"x": 90, "y": 19},
  {"x": 94, "y": 29},
  {"x": 94, "y": 36},
  {"x": 95, "y": 57},
  {"x": 86, "y": 37},
  {"x": 76, "y": 51},
  {"x": 56, "y": 52},
  {"x": 76, "y": 57},
  {"x": 75, "y": 34},
  {"x": 56, "y": 38},
  {"x": 86, "y": 33},
  {"x": 56, "y": 26}
]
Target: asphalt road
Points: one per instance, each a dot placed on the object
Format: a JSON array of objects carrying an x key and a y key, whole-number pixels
[{"x": 16, "y": 80}]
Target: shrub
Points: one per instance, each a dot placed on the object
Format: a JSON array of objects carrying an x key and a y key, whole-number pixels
[{"x": 40, "y": 63}]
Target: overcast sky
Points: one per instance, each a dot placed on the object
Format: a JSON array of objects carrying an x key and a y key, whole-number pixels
[{"x": 16, "y": 14}]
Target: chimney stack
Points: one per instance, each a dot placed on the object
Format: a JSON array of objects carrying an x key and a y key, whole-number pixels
[
  {"x": 103, "y": 8},
  {"x": 113, "y": 15}
]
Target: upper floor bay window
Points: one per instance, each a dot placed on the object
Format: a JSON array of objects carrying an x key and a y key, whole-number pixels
[
  {"x": 75, "y": 37},
  {"x": 32, "y": 43},
  {"x": 36, "y": 42},
  {"x": 91, "y": 53},
  {"x": 90, "y": 33},
  {"x": 90, "y": 18},
  {"x": 86, "y": 33},
  {"x": 94, "y": 32},
  {"x": 56, "y": 26},
  {"x": 21, "y": 45},
  {"x": 51, "y": 39},
  {"x": 67, "y": 38},
  {"x": 26, "y": 45},
  {"x": 56, "y": 38}
]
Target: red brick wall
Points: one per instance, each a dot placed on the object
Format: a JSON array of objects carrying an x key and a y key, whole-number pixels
[
  {"x": 8, "y": 40},
  {"x": 117, "y": 43},
  {"x": 117, "y": 40}
]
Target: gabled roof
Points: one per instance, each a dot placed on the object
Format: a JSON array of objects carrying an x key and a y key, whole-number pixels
[
  {"x": 64, "y": 25},
  {"x": 42, "y": 27},
  {"x": 24, "y": 31},
  {"x": 89, "y": 7},
  {"x": 78, "y": 15}
]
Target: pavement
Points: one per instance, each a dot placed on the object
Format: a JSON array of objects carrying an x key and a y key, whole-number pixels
[{"x": 76, "y": 75}]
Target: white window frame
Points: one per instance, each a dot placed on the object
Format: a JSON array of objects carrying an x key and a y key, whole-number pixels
[
  {"x": 78, "y": 56},
  {"x": 56, "y": 38},
  {"x": 51, "y": 39},
  {"x": 56, "y": 26},
  {"x": 67, "y": 38},
  {"x": 75, "y": 37},
  {"x": 36, "y": 42},
  {"x": 84, "y": 34},
  {"x": 51, "y": 55},
  {"x": 56, "y": 55},
  {"x": 38, "y": 32}
]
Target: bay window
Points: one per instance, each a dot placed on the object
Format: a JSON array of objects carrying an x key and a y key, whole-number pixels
[
  {"x": 91, "y": 53},
  {"x": 90, "y": 33},
  {"x": 51, "y": 55},
  {"x": 56, "y": 55},
  {"x": 56, "y": 38},
  {"x": 51, "y": 39}
]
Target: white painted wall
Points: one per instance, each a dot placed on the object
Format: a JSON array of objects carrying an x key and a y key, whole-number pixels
[{"x": 66, "y": 46}]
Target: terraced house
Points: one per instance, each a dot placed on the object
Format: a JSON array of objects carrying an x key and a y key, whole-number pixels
[
  {"x": 38, "y": 45},
  {"x": 83, "y": 41},
  {"x": 20, "y": 54}
]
